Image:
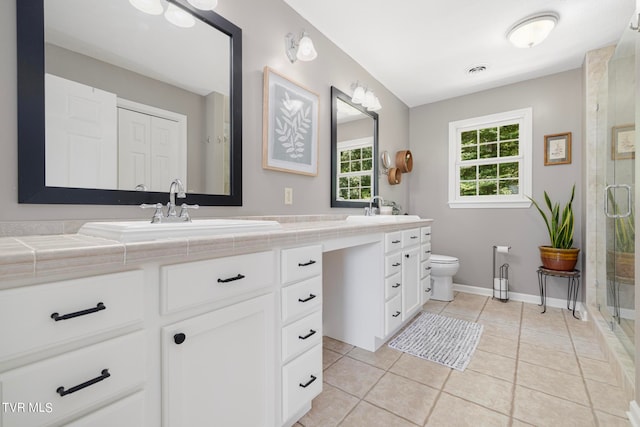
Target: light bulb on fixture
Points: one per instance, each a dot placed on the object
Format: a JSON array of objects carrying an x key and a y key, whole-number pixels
[
  {"x": 302, "y": 49},
  {"x": 179, "y": 17},
  {"x": 151, "y": 7},
  {"x": 376, "y": 105},
  {"x": 204, "y": 4},
  {"x": 532, "y": 31},
  {"x": 358, "y": 95},
  {"x": 369, "y": 99}
]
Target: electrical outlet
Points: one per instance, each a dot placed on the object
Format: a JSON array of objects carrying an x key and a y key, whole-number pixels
[{"x": 288, "y": 196}]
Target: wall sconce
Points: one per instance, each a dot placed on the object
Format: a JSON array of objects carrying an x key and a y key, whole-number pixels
[
  {"x": 532, "y": 31},
  {"x": 301, "y": 49},
  {"x": 365, "y": 97}
]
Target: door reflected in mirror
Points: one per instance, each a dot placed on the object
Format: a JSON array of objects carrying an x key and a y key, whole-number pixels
[{"x": 354, "y": 147}]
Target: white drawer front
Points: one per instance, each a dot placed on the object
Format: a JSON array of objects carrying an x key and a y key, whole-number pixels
[
  {"x": 123, "y": 359},
  {"x": 195, "y": 283},
  {"x": 128, "y": 412},
  {"x": 301, "y": 298},
  {"x": 425, "y": 251},
  {"x": 410, "y": 237},
  {"x": 392, "y": 264},
  {"x": 84, "y": 307},
  {"x": 425, "y": 287},
  {"x": 392, "y": 241},
  {"x": 301, "y": 381},
  {"x": 301, "y": 335},
  {"x": 392, "y": 285},
  {"x": 392, "y": 314},
  {"x": 425, "y": 232},
  {"x": 425, "y": 268},
  {"x": 301, "y": 263}
]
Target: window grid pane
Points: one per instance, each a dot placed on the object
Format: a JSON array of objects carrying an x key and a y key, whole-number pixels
[{"x": 356, "y": 173}]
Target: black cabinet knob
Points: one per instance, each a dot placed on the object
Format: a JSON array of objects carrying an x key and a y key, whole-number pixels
[{"x": 179, "y": 338}]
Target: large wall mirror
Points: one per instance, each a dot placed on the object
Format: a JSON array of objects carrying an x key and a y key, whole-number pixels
[
  {"x": 114, "y": 103},
  {"x": 354, "y": 152}
]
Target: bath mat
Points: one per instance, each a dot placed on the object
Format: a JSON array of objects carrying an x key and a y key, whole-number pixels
[{"x": 444, "y": 340}]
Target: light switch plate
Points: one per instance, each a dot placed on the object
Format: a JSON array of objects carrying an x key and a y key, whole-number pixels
[{"x": 288, "y": 196}]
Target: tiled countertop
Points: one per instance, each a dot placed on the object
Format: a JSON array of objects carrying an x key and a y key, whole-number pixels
[{"x": 41, "y": 256}]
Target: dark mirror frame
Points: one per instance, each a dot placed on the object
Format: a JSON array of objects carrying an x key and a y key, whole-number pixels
[
  {"x": 31, "y": 119},
  {"x": 337, "y": 94}
]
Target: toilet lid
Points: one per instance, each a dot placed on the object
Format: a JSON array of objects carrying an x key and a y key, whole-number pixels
[{"x": 443, "y": 259}]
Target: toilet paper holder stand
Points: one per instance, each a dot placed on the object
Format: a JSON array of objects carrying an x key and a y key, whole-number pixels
[{"x": 500, "y": 281}]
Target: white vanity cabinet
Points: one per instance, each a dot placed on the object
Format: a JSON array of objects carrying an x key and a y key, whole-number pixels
[
  {"x": 402, "y": 277},
  {"x": 301, "y": 330},
  {"x": 218, "y": 367},
  {"x": 70, "y": 347},
  {"x": 425, "y": 264}
]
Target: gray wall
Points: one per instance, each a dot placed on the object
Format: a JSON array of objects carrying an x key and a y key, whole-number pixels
[
  {"x": 264, "y": 24},
  {"x": 470, "y": 234}
]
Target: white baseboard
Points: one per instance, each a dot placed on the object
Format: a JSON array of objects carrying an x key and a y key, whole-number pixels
[
  {"x": 528, "y": 298},
  {"x": 634, "y": 414}
]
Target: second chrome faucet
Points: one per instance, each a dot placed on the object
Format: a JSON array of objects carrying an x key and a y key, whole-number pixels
[{"x": 176, "y": 189}]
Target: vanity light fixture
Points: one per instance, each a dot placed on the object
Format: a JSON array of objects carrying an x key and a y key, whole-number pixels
[
  {"x": 365, "y": 97},
  {"x": 302, "y": 49},
  {"x": 179, "y": 17},
  {"x": 152, "y": 7},
  {"x": 532, "y": 31},
  {"x": 204, "y": 4}
]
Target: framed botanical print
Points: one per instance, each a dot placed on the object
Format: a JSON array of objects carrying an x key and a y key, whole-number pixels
[
  {"x": 289, "y": 126},
  {"x": 623, "y": 142},
  {"x": 557, "y": 149}
]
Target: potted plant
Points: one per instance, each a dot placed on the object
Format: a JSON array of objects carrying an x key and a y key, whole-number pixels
[
  {"x": 621, "y": 260},
  {"x": 560, "y": 254}
]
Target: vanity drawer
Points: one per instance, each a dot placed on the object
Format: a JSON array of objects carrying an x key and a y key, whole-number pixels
[
  {"x": 425, "y": 268},
  {"x": 85, "y": 307},
  {"x": 425, "y": 287},
  {"x": 201, "y": 282},
  {"x": 126, "y": 412},
  {"x": 301, "y": 298},
  {"x": 425, "y": 251},
  {"x": 392, "y": 285},
  {"x": 392, "y": 314},
  {"x": 392, "y": 241},
  {"x": 301, "y": 381},
  {"x": 425, "y": 232},
  {"x": 410, "y": 237},
  {"x": 301, "y": 335},
  {"x": 120, "y": 362},
  {"x": 392, "y": 264},
  {"x": 301, "y": 263}
]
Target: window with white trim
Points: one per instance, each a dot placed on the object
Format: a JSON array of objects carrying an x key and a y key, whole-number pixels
[
  {"x": 355, "y": 174},
  {"x": 490, "y": 163}
]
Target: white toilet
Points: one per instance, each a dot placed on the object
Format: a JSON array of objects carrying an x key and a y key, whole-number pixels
[{"x": 443, "y": 268}]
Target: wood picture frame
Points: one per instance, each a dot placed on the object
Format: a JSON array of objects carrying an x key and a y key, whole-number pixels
[
  {"x": 623, "y": 142},
  {"x": 557, "y": 149},
  {"x": 289, "y": 125}
]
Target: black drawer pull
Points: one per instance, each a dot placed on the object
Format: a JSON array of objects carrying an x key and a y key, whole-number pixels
[
  {"x": 428, "y": 290},
  {"x": 396, "y": 315},
  {"x": 99, "y": 307},
  {"x": 231, "y": 279},
  {"x": 103, "y": 376},
  {"x": 413, "y": 237},
  {"x": 179, "y": 338},
  {"x": 427, "y": 252},
  {"x": 304, "y": 264},
  {"x": 309, "y": 298},
  {"x": 311, "y": 333},
  {"x": 397, "y": 285},
  {"x": 395, "y": 241},
  {"x": 427, "y": 234},
  {"x": 428, "y": 268},
  {"x": 308, "y": 383},
  {"x": 397, "y": 264}
]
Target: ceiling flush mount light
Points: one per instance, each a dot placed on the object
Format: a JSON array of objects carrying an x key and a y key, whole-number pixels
[
  {"x": 365, "y": 97},
  {"x": 302, "y": 49},
  {"x": 179, "y": 17},
  {"x": 204, "y": 4},
  {"x": 476, "y": 70},
  {"x": 152, "y": 7},
  {"x": 532, "y": 31}
]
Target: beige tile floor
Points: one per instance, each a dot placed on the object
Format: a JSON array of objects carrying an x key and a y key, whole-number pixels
[{"x": 529, "y": 369}]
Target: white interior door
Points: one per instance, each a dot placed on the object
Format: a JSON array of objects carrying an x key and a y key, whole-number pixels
[
  {"x": 81, "y": 148},
  {"x": 165, "y": 153}
]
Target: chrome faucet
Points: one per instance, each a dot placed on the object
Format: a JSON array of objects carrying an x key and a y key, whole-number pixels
[
  {"x": 175, "y": 189},
  {"x": 371, "y": 211}
]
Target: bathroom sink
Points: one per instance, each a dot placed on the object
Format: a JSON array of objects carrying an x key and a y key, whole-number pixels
[
  {"x": 382, "y": 219},
  {"x": 135, "y": 231}
]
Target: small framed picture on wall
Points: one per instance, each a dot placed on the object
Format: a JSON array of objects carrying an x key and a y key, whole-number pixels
[
  {"x": 557, "y": 149},
  {"x": 623, "y": 142}
]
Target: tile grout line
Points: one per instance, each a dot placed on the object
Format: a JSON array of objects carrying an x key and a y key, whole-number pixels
[{"x": 512, "y": 409}]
